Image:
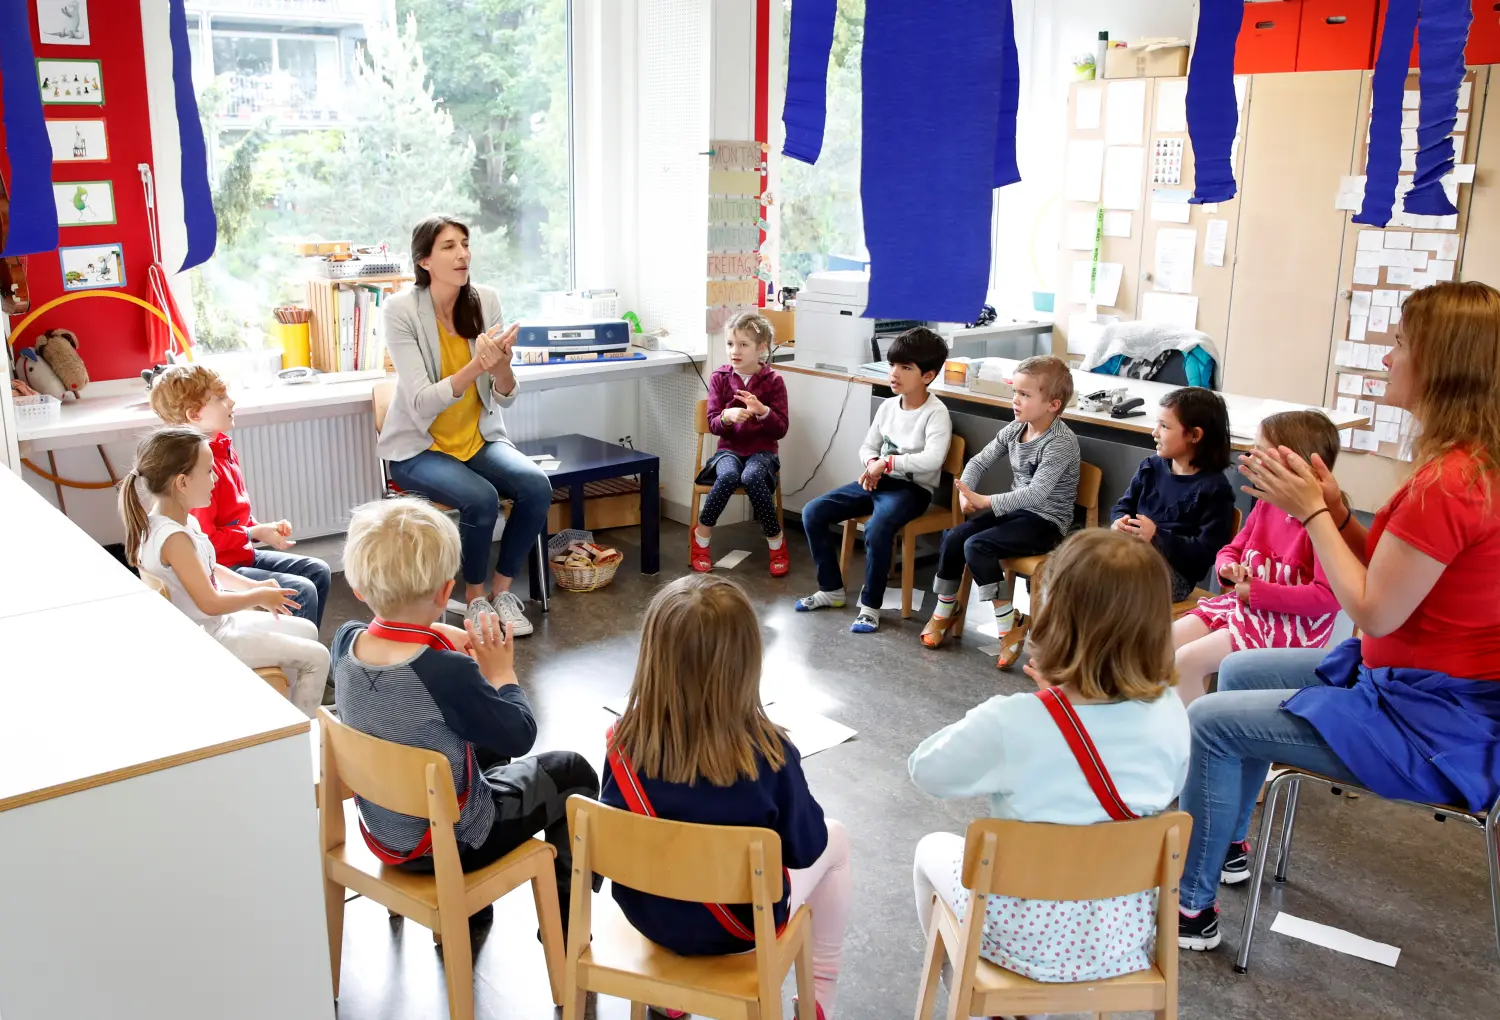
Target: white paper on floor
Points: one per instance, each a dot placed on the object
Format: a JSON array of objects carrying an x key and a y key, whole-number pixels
[
  {"x": 616, "y": 706},
  {"x": 1336, "y": 939},
  {"x": 992, "y": 649},
  {"x": 731, "y": 560},
  {"x": 810, "y": 731},
  {"x": 893, "y": 599}
]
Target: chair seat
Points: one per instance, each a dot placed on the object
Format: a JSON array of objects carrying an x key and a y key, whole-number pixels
[
  {"x": 395, "y": 490},
  {"x": 1143, "y": 990},
  {"x": 276, "y": 677},
  {"x": 1025, "y": 566},
  {"x": 617, "y": 947},
  {"x": 1456, "y": 811},
  {"x": 934, "y": 518},
  {"x": 355, "y": 867},
  {"x": 1191, "y": 602}
]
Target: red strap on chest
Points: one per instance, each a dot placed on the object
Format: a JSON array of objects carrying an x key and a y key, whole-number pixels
[
  {"x": 1082, "y": 745},
  {"x": 635, "y": 799},
  {"x": 415, "y": 634}
]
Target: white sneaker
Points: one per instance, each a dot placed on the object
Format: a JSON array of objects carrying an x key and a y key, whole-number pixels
[{"x": 509, "y": 607}]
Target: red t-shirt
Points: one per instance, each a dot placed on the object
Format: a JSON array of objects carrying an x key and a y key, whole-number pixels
[{"x": 1456, "y": 628}]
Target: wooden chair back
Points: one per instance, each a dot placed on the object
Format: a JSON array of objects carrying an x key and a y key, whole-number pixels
[
  {"x": 953, "y": 464},
  {"x": 408, "y": 780},
  {"x": 1090, "y": 479},
  {"x": 1239, "y": 522},
  {"x": 700, "y": 427},
  {"x": 382, "y": 395}
]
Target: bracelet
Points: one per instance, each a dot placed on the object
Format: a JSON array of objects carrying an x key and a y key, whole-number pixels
[
  {"x": 890, "y": 464},
  {"x": 1320, "y": 510},
  {"x": 1347, "y": 518}
]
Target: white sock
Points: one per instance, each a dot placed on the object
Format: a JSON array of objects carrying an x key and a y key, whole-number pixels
[
  {"x": 700, "y": 538},
  {"x": 946, "y": 607},
  {"x": 824, "y": 599},
  {"x": 778, "y": 541},
  {"x": 1003, "y": 609}
]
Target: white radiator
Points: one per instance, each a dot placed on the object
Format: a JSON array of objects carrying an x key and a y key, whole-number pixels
[{"x": 311, "y": 472}]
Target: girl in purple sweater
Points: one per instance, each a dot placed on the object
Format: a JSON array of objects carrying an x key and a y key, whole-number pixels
[
  {"x": 747, "y": 411},
  {"x": 1275, "y": 594}
]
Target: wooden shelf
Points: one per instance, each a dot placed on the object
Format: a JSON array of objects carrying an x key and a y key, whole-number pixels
[{"x": 323, "y": 322}]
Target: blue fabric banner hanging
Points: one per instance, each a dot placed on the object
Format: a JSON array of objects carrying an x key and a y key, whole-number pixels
[
  {"x": 197, "y": 199},
  {"x": 805, "y": 109},
  {"x": 33, "y": 214},
  {"x": 1443, "y": 29},
  {"x": 1213, "y": 114},
  {"x": 1383, "y": 161},
  {"x": 928, "y": 155},
  {"x": 1007, "y": 171}
]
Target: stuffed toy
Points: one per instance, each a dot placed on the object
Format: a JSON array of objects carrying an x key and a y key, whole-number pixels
[
  {"x": 59, "y": 348},
  {"x": 37, "y": 374}
]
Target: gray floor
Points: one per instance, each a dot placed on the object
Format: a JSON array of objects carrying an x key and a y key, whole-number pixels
[{"x": 1384, "y": 872}]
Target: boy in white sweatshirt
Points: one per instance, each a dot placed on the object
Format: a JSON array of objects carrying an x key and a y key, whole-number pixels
[{"x": 903, "y": 457}]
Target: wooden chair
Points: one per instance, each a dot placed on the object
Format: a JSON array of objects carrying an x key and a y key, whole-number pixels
[
  {"x": 416, "y": 781},
  {"x": 699, "y": 491},
  {"x": 683, "y": 861},
  {"x": 1290, "y": 781},
  {"x": 273, "y": 675},
  {"x": 1090, "y": 479},
  {"x": 1187, "y": 605},
  {"x": 934, "y": 519},
  {"x": 1038, "y": 861}
]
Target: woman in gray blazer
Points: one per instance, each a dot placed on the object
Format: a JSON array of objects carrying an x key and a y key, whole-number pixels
[{"x": 444, "y": 435}]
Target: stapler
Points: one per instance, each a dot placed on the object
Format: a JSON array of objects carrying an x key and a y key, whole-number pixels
[
  {"x": 1103, "y": 400},
  {"x": 1129, "y": 409}
]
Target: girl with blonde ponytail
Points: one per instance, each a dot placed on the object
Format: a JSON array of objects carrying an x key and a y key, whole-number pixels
[{"x": 174, "y": 464}]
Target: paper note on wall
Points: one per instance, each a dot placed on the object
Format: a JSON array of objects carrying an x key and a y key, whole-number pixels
[
  {"x": 1087, "y": 101},
  {"x": 1170, "y": 309},
  {"x": 1343, "y": 355},
  {"x": 1400, "y": 239},
  {"x": 1117, "y": 224},
  {"x": 733, "y": 182},
  {"x": 1079, "y": 231},
  {"x": 1367, "y": 275},
  {"x": 1125, "y": 113},
  {"x": 1384, "y": 298},
  {"x": 1371, "y": 240},
  {"x": 1376, "y": 388},
  {"x": 1171, "y": 105},
  {"x": 1351, "y": 384},
  {"x": 1174, "y": 260},
  {"x": 1411, "y": 99},
  {"x": 1401, "y": 276},
  {"x": 1364, "y": 439},
  {"x": 1167, "y": 207},
  {"x": 1214, "y": 241},
  {"x": 1351, "y": 194},
  {"x": 1107, "y": 287},
  {"x": 1357, "y": 328},
  {"x": 1359, "y": 303},
  {"x": 1123, "y": 166},
  {"x": 1085, "y": 169},
  {"x": 1441, "y": 271},
  {"x": 1380, "y": 321}
]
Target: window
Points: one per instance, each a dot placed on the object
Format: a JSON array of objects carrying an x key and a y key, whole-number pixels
[
  {"x": 358, "y": 129},
  {"x": 819, "y": 206}
]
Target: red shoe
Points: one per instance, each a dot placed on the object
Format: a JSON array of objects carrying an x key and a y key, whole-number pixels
[
  {"x": 781, "y": 560},
  {"x": 701, "y": 559},
  {"x": 816, "y": 1005}
]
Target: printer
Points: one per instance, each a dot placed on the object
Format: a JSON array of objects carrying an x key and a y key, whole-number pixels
[
  {"x": 540, "y": 342},
  {"x": 832, "y": 332}
]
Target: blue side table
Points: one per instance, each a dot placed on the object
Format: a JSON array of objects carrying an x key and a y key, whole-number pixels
[{"x": 582, "y": 460}]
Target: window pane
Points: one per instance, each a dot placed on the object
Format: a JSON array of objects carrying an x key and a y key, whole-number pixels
[{"x": 359, "y": 133}]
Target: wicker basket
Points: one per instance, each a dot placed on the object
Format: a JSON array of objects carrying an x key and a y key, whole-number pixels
[{"x": 589, "y": 578}]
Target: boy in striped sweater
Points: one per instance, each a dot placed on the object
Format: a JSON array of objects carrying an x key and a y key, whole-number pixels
[{"x": 1032, "y": 517}]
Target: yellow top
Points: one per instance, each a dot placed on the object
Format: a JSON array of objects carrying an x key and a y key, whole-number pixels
[{"x": 456, "y": 431}]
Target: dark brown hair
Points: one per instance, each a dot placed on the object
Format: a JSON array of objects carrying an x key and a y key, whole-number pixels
[
  {"x": 1198, "y": 408},
  {"x": 1105, "y": 625},
  {"x": 161, "y": 457},
  {"x": 919, "y": 346},
  {"x": 468, "y": 316}
]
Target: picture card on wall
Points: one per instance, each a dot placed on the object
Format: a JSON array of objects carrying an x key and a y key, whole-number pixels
[
  {"x": 78, "y": 141},
  {"x": 92, "y": 266},
  {"x": 1125, "y": 112},
  {"x": 63, "y": 22},
  {"x": 1380, "y": 320},
  {"x": 1367, "y": 275},
  {"x": 1124, "y": 167},
  {"x": 70, "y": 82},
  {"x": 1117, "y": 224},
  {"x": 1088, "y": 101},
  {"x": 1106, "y": 288},
  {"x": 1351, "y": 384},
  {"x": 1084, "y": 171},
  {"x": 84, "y": 203}
]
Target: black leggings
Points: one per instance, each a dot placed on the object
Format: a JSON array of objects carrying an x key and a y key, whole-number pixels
[{"x": 757, "y": 473}]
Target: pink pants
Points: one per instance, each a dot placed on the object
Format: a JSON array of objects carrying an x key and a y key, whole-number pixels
[{"x": 827, "y": 888}]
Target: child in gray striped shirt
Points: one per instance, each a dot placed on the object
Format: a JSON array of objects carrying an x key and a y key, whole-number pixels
[{"x": 1032, "y": 517}]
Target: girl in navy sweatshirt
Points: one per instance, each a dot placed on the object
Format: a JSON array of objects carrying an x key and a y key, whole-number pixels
[
  {"x": 702, "y": 749},
  {"x": 1180, "y": 501}
]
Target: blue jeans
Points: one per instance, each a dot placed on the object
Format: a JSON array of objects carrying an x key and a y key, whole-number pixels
[
  {"x": 890, "y": 508},
  {"x": 1238, "y": 732},
  {"x": 308, "y": 577},
  {"x": 475, "y": 488}
]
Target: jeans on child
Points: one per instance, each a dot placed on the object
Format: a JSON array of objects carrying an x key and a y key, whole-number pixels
[
  {"x": 307, "y": 576},
  {"x": 892, "y": 505},
  {"x": 1238, "y": 732},
  {"x": 983, "y": 541}
]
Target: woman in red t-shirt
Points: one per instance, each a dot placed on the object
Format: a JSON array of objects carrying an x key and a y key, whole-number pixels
[{"x": 1408, "y": 710}]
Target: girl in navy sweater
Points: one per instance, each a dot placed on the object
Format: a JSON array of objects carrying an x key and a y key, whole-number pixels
[
  {"x": 702, "y": 749},
  {"x": 1180, "y": 501}
]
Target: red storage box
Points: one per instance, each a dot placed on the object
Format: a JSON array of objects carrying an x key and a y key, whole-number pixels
[
  {"x": 1484, "y": 35},
  {"x": 1268, "y": 38},
  {"x": 1337, "y": 35}
]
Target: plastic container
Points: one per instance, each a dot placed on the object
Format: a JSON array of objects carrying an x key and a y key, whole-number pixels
[
  {"x": 1043, "y": 300},
  {"x": 38, "y": 411},
  {"x": 296, "y": 344}
]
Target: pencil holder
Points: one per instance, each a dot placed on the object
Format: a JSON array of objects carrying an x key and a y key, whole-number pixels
[{"x": 296, "y": 351}]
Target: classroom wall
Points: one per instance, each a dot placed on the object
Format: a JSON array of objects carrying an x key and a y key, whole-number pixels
[{"x": 111, "y": 334}]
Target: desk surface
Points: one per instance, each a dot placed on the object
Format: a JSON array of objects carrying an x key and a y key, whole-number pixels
[
  {"x": 1245, "y": 413},
  {"x": 117, "y": 410},
  {"x": 577, "y": 455}
]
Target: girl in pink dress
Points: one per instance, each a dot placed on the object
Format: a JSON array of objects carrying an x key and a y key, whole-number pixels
[{"x": 1275, "y": 593}]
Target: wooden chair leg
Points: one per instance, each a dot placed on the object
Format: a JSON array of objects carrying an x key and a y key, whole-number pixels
[
  {"x": 847, "y": 549},
  {"x": 961, "y": 612},
  {"x": 932, "y": 972},
  {"x": 575, "y": 997},
  {"x": 637, "y": 1011},
  {"x": 458, "y": 964},
  {"x": 807, "y": 992},
  {"x": 908, "y": 571},
  {"x": 333, "y": 905},
  {"x": 549, "y": 918}
]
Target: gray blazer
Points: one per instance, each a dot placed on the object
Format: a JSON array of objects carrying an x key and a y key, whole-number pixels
[{"x": 411, "y": 336}]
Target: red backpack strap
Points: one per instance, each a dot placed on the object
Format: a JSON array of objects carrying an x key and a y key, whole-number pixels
[
  {"x": 1066, "y": 716},
  {"x": 424, "y": 845}
]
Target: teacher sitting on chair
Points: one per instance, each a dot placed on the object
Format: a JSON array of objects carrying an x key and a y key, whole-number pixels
[{"x": 444, "y": 435}]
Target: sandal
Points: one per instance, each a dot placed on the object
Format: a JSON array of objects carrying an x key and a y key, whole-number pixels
[{"x": 937, "y": 629}]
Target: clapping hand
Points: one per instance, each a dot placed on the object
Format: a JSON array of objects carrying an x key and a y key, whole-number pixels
[
  {"x": 970, "y": 501},
  {"x": 734, "y": 415},
  {"x": 1234, "y": 573},
  {"x": 752, "y": 403},
  {"x": 1143, "y": 528}
]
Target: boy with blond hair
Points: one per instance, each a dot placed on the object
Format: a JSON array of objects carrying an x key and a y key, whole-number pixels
[
  {"x": 196, "y": 396},
  {"x": 1028, "y": 520},
  {"x": 405, "y": 678}
]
